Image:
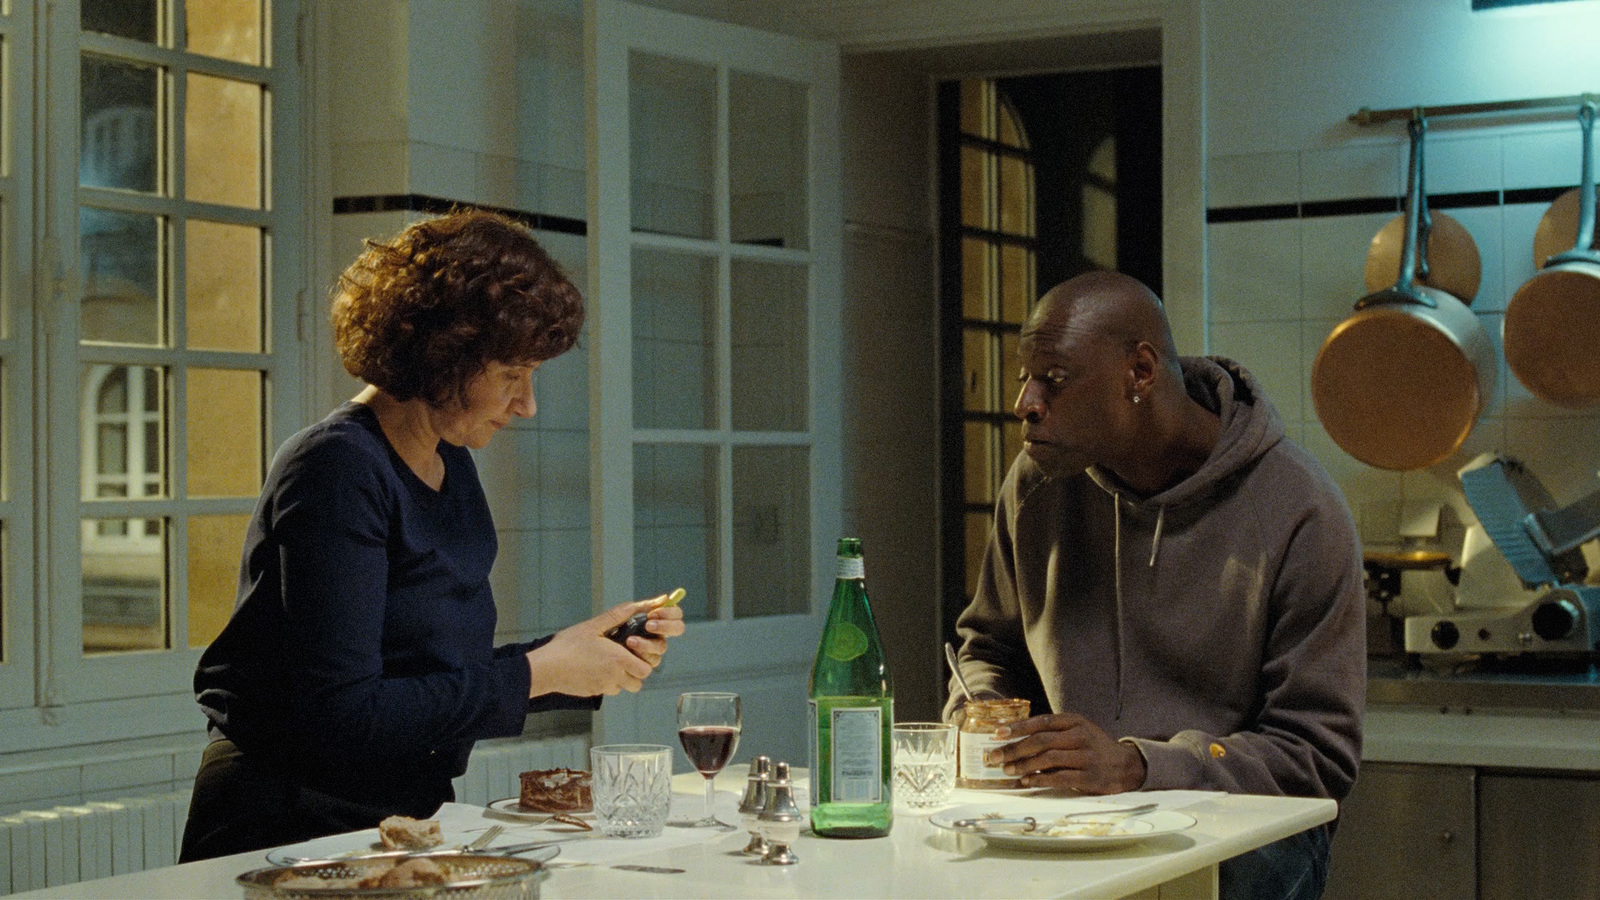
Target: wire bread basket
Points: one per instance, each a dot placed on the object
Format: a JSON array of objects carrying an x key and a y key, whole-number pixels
[{"x": 479, "y": 877}]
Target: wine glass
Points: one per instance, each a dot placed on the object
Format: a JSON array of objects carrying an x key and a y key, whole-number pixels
[{"x": 708, "y": 728}]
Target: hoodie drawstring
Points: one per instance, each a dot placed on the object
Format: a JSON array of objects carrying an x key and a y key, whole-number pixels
[
  {"x": 1155, "y": 542},
  {"x": 1116, "y": 558}
]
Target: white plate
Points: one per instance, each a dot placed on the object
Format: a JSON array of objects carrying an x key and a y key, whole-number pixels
[
  {"x": 1124, "y": 829},
  {"x": 337, "y": 846},
  {"x": 512, "y": 806}
]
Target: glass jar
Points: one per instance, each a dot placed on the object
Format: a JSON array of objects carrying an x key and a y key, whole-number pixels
[{"x": 984, "y": 718}]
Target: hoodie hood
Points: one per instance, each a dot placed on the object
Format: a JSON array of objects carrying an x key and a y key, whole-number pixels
[{"x": 1250, "y": 427}]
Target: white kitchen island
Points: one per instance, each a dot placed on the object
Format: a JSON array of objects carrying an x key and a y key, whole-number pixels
[{"x": 915, "y": 860}]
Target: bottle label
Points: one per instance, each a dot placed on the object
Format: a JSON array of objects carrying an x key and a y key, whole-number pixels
[
  {"x": 852, "y": 567},
  {"x": 857, "y": 763}
]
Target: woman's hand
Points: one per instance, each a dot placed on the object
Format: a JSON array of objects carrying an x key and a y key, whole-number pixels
[{"x": 581, "y": 661}]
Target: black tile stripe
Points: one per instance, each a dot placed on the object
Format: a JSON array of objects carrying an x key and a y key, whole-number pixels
[
  {"x": 1356, "y": 206},
  {"x": 375, "y": 203},
  {"x": 1365, "y": 205}
]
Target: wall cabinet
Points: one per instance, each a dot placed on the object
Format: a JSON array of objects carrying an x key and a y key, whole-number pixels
[{"x": 1463, "y": 832}]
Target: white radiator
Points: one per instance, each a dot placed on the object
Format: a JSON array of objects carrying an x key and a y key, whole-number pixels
[{"x": 68, "y": 844}]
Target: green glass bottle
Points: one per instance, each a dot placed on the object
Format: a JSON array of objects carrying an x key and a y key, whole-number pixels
[{"x": 852, "y": 709}]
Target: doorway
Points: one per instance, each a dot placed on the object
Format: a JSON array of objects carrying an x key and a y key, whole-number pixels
[{"x": 1040, "y": 178}]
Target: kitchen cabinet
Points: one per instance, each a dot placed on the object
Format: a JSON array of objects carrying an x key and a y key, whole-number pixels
[
  {"x": 1538, "y": 835},
  {"x": 1407, "y": 831},
  {"x": 1461, "y": 832}
]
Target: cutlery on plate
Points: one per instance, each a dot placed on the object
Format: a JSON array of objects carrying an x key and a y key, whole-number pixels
[
  {"x": 1029, "y": 823},
  {"x": 485, "y": 839}
]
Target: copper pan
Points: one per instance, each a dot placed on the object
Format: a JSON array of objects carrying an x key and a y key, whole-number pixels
[
  {"x": 1552, "y": 323},
  {"x": 1400, "y": 384},
  {"x": 1558, "y": 228},
  {"x": 1447, "y": 256}
]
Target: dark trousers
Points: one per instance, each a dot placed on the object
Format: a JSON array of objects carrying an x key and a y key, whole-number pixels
[
  {"x": 241, "y": 805},
  {"x": 1295, "y": 868}
]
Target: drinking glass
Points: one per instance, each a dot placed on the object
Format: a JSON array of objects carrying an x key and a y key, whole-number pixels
[
  {"x": 924, "y": 763},
  {"x": 708, "y": 728},
  {"x": 632, "y": 788}
]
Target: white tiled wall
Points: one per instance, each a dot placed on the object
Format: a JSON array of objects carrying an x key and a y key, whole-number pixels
[
  {"x": 1278, "y": 133},
  {"x": 1279, "y": 286}
]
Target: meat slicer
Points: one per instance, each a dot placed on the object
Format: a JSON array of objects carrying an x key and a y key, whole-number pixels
[{"x": 1530, "y": 596}]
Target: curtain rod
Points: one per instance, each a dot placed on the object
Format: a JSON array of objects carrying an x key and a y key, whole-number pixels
[{"x": 1367, "y": 116}]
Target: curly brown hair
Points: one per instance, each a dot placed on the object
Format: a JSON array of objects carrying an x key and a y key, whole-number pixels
[{"x": 422, "y": 314}]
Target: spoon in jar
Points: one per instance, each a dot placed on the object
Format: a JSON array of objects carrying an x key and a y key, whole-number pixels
[{"x": 950, "y": 657}]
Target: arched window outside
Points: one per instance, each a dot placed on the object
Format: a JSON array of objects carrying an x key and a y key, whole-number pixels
[{"x": 998, "y": 251}]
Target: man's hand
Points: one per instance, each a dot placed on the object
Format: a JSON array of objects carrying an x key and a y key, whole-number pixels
[{"x": 1065, "y": 750}]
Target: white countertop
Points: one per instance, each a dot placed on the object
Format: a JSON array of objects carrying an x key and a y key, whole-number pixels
[{"x": 915, "y": 860}]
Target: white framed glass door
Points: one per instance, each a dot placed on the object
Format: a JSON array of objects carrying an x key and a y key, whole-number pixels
[{"x": 714, "y": 259}]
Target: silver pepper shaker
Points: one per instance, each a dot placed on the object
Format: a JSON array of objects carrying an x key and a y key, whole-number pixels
[
  {"x": 780, "y": 819},
  {"x": 754, "y": 801}
]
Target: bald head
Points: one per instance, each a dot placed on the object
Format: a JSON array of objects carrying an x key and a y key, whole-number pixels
[{"x": 1107, "y": 305}]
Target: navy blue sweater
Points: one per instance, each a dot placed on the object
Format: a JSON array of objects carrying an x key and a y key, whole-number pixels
[{"x": 360, "y": 657}]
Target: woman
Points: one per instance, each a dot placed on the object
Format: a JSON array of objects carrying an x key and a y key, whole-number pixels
[{"x": 359, "y": 667}]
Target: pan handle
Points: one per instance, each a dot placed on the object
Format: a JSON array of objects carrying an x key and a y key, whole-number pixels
[
  {"x": 1417, "y": 219},
  {"x": 1583, "y": 250}
]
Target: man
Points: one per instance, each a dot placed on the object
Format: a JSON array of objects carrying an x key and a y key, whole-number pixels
[{"x": 1171, "y": 581}]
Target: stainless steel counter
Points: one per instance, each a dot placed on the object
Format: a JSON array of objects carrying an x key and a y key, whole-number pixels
[{"x": 1540, "y": 687}]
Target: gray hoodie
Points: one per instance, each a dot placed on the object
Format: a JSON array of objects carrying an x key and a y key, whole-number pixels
[{"x": 1218, "y": 625}]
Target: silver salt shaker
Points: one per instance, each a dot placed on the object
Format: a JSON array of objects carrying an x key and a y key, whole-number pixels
[
  {"x": 754, "y": 801},
  {"x": 780, "y": 819}
]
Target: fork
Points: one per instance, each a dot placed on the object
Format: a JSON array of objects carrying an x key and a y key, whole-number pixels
[
  {"x": 1028, "y": 823},
  {"x": 487, "y": 838}
]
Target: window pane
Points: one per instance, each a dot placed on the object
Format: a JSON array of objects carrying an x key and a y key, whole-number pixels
[
  {"x": 124, "y": 585},
  {"x": 672, "y": 122},
  {"x": 124, "y": 444},
  {"x": 674, "y": 341},
  {"x": 222, "y": 141},
  {"x": 1016, "y": 196},
  {"x": 675, "y": 525},
  {"x": 222, "y": 282},
  {"x": 771, "y": 531},
  {"x": 224, "y": 433},
  {"x": 977, "y": 278},
  {"x": 120, "y": 260},
  {"x": 1017, "y": 290},
  {"x": 134, "y": 19},
  {"x": 119, "y": 125},
  {"x": 215, "y": 544},
  {"x": 227, "y": 29},
  {"x": 976, "y": 188},
  {"x": 767, "y": 153},
  {"x": 770, "y": 350},
  {"x": 1010, "y": 368},
  {"x": 978, "y": 360}
]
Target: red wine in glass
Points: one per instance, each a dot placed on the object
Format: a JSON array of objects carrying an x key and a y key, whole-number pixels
[
  {"x": 709, "y": 746},
  {"x": 708, "y": 728}
]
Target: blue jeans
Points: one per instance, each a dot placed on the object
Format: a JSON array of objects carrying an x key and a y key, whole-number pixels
[{"x": 1295, "y": 868}]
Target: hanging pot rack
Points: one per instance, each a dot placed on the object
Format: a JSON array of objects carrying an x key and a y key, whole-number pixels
[{"x": 1366, "y": 116}]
